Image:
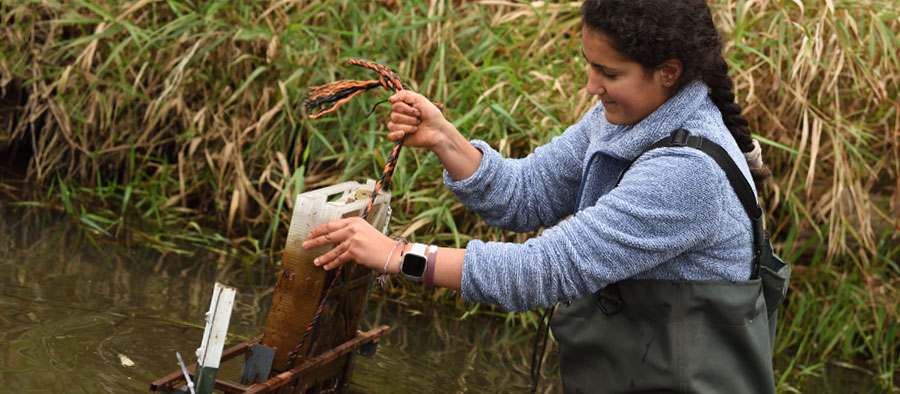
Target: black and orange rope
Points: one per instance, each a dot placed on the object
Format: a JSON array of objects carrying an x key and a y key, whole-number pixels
[{"x": 338, "y": 93}]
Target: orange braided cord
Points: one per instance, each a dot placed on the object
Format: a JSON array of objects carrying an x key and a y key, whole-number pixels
[
  {"x": 386, "y": 175},
  {"x": 338, "y": 93},
  {"x": 388, "y": 78}
]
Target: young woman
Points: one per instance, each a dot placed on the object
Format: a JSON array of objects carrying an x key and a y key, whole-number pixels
[{"x": 655, "y": 272}]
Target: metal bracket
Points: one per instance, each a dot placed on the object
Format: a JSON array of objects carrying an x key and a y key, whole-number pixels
[{"x": 257, "y": 364}]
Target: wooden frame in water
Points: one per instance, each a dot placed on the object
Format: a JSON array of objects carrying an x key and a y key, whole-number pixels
[{"x": 325, "y": 362}]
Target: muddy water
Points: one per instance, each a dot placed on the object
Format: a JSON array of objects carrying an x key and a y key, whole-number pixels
[{"x": 78, "y": 318}]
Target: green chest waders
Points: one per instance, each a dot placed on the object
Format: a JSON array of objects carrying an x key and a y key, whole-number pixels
[{"x": 671, "y": 336}]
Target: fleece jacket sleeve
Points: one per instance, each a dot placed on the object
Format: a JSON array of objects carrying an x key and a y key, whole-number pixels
[
  {"x": 670, "y": 200},
  {"x": 525, "y": 194}
]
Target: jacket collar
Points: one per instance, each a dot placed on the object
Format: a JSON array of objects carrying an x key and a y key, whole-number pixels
[{"x": 626, "y": 142}]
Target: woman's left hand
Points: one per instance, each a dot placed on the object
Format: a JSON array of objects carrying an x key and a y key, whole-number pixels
[{"x": 355, "y": 240}]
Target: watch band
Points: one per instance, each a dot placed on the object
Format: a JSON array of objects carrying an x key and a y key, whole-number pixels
[
  {"x": 429, "y": 267},
  {"x": 418, "y": 249}
]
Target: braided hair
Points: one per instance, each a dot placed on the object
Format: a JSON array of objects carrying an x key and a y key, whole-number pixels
[{"x": 650, "y": 32}]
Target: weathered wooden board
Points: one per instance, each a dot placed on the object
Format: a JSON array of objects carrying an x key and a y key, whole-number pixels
[
  {"x": 325, "y": 372},
  {"x": 301, "y": 284}
]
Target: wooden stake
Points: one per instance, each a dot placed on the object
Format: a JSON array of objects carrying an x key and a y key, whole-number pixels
[{"x": 210, "y": 352}]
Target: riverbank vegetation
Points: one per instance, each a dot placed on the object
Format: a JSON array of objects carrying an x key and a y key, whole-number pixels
[{"x": 179, "y": 125}]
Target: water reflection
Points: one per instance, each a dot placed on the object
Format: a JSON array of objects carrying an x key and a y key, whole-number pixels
[{"x": 70, "y": 312}]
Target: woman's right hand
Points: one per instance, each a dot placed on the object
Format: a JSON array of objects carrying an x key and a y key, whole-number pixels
[{"x": 417, "y": 118}]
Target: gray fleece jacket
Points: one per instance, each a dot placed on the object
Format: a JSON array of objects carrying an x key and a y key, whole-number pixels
[{"x": 673, "y": 216}]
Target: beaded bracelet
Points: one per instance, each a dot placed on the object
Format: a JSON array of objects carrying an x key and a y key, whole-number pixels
[{"x": 381, "y": 278}]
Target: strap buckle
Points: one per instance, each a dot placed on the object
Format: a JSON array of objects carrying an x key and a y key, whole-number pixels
[{"x": 682, "y": 137}]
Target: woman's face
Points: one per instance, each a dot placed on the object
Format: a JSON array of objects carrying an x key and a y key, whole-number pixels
[{"x": 627, "y": 92}]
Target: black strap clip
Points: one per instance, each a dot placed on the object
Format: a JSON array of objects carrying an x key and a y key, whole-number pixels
[{"x": 682, "y": 137}]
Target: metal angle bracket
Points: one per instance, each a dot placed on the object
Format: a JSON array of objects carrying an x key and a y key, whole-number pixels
[{"x": 257, "y": 364}]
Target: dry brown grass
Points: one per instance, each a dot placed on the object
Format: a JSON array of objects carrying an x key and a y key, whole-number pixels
[{"x": 177, "y": 123}]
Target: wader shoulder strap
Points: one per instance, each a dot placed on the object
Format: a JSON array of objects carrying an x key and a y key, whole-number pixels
[{"x": 682, "y": 137}]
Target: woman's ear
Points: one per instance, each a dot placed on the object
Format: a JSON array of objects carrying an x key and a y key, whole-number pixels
[{"x": 669, "y": 72}]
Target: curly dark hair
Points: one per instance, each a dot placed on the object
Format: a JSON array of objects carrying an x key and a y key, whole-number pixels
[{"x": 651, "y": 32}]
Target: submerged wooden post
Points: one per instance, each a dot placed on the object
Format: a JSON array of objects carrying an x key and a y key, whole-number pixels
[
  {"x": 300, "y": 283},
  {"x": 209, "y": 354}
]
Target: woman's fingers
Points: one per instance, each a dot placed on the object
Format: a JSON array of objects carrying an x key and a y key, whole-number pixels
[
  {"x": 408, "y": 103},
  {"x": 335, "y": 257},
  {"x": 406, "y": 108},
  {"x": 405, "y": 119},
  {"x": 338, "y": 232},
  {"x": 404, "y": 96},
  {"x": 396, "y": 135},
  {"x": 328, "y": 233},
  {"x": 401, "y": 118},
  {"x": 355, "y": 240},
  {"x": 406, "y": 128}
]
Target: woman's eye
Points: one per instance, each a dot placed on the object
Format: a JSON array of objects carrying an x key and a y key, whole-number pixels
[{"x": 604, "y": 73}]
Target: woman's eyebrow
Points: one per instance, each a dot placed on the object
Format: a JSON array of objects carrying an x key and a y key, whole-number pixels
[{"x": 600, "y": 66}]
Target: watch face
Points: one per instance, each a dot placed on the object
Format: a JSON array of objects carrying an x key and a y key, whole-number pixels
[{"x": 414, "y": 265}]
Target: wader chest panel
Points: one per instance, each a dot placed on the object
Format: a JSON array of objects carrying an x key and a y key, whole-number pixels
[{"x": 668, "y": 336}]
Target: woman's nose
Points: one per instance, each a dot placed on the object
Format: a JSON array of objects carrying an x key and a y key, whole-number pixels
[{"x": 594, "y": 86}]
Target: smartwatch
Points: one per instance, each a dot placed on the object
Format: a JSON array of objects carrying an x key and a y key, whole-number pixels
[{"x": 414, "y": 262}]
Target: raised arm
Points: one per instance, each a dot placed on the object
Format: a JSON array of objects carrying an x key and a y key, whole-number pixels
[{"x": 516, "y": 194}]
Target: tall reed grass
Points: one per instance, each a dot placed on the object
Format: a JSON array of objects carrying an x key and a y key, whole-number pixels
[{"x": 178, "y": 125}]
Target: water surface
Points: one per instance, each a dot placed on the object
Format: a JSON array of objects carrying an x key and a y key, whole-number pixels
[
  {"x": 76, "y": 317},
  {"x": 79, "y": 317}
]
